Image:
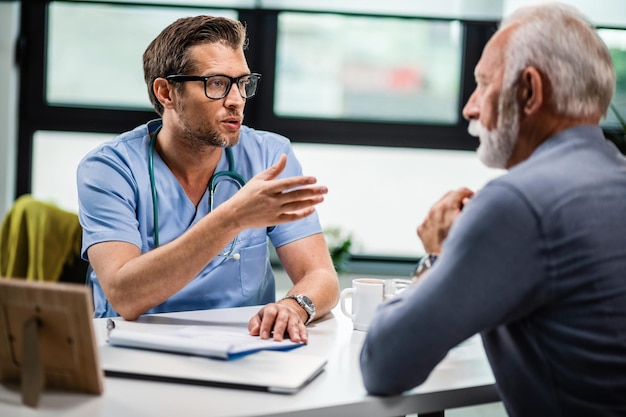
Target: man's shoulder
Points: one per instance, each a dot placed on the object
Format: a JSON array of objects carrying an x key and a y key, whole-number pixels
[
  {"x": 131, "y": 138},
  {"x": 120, "y": 149},
  {"x": 565, "y": 169},
  {"x": 249, "y": 134}
]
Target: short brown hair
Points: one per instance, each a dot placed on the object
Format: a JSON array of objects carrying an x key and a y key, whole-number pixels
[{"x": 168, "y": 54}]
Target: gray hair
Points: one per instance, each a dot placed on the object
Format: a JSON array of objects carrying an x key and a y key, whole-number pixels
[{"x": 564, "y": 46}]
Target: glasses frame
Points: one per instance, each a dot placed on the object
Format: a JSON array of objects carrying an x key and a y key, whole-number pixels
[{"x": 205, "y": 78}]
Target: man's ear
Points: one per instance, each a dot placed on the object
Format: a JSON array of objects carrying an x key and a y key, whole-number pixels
[
  {"x": 163, "y": 91},
  {"x": 531, "y": 90}
]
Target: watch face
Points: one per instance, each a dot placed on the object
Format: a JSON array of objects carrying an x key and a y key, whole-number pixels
[
  {"x": 306, "y": 301},
  {"x": 306, "y": 304}
]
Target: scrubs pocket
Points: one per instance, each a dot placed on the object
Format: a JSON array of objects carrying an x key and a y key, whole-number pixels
[{"x": 253, "y": 263}]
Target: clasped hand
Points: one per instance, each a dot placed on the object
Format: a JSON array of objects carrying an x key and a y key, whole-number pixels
[{"x": 434, "y": 230}]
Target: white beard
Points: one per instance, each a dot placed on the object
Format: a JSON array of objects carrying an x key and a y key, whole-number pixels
[{"x": 496, "y": 146}]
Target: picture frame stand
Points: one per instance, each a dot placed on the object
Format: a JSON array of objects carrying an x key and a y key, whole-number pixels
[{"x": 47, "y": 338}]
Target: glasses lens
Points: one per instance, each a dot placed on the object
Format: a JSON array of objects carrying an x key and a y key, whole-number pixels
[
  {"x": 247, "y": 85},
  {"x": 217, "y": 86}
]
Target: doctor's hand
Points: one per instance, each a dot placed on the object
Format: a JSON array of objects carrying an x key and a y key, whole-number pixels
[
  {"x": 281, "y": 320},
  {"x": 434, "y": 230},
  {"x": 266, "y": 201}
]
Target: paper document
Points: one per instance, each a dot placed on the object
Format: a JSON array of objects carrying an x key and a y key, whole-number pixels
[{"x": 198, "y": 341}]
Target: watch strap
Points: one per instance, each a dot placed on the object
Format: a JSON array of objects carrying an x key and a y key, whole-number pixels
[{"x": 424, "y": 264}]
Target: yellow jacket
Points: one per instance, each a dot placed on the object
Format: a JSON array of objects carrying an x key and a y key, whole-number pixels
[{"x": 37, "y": 240}]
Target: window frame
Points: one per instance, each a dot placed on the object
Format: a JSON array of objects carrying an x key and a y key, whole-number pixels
[
  {"x": 368, "y": 133},
  {"x": 36, "y": 114}
]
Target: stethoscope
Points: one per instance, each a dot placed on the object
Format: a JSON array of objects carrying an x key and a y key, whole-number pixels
[{"x": 230, "y": 175}]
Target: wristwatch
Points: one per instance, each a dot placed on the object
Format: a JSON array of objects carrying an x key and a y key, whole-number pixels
[
  {"x": 306, "y": 303},
  {"x": 424, "y": 264}
]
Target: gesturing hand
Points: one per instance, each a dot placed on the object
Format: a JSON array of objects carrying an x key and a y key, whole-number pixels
[
  {"x": 266, "y": 201},
  {"x": 434, "y": 230}
]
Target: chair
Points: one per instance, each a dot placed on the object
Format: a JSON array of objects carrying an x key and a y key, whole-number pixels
[{"x": 41, "y": 242}]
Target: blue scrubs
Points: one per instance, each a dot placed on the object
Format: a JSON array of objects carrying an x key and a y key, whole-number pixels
[{"x": 115, "y": 204}]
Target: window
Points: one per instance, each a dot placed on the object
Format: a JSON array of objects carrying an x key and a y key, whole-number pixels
[
  {"x": 367, "y": 68},
  {"x": 380, "y": 195},
  {"x": 371, "y": 102},
  {"x": 55, "y": 158},
  {"x": 95, "y": 52},
  {"x": 616, "y": 41}
]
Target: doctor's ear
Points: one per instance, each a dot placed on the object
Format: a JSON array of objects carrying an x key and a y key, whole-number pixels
[{"x": 163, "y": 91}]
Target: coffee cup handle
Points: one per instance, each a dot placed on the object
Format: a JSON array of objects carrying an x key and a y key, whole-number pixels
[{"x": 342, "y": 302}]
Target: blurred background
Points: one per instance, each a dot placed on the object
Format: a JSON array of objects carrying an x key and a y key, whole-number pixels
[{"x": 369, "y": 92}]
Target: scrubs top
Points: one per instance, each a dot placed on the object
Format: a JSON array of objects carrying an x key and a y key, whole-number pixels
[{"x": 116, "y": 204}]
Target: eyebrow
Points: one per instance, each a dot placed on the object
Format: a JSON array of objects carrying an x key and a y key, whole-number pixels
[{"x": 479, "y": 75}]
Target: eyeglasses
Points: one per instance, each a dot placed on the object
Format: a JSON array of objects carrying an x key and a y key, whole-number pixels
[{"x": 218, "y": 86}]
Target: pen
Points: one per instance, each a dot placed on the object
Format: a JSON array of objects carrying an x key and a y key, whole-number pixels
[{"x": 110, "y": 326}]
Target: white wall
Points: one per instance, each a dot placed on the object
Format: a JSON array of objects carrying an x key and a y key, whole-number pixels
[{"x": 9, "y": 24}]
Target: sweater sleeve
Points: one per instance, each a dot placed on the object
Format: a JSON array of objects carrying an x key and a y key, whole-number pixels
[{"x": 487, "y": 274}]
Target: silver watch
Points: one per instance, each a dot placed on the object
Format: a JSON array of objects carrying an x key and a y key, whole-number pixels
[
  {"x": 424, "y": 264},
  {"x": 306, "y": 304}
]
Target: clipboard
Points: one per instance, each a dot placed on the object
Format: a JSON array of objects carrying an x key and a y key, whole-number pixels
[
  {"x": 47, "y": 338},
  {"x": 194, "y": 340},
  {"x": 285, "y": 369}
]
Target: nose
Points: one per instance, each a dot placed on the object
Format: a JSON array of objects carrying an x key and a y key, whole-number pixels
[
  {"x": 471, "y": 108},
  {"x": 234, "y": 98}
]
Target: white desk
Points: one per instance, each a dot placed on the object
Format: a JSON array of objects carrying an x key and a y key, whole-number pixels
[{"x": 464, "y": 378}]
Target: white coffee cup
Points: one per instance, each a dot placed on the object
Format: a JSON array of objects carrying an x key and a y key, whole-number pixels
[{"x": 367, "y": 294}]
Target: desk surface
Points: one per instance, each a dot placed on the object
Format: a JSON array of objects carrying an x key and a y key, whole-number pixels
[{"x": 463, "y": 378}]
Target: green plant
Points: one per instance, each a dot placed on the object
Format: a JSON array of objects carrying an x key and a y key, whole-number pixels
[{"x": 339, "y": 245}]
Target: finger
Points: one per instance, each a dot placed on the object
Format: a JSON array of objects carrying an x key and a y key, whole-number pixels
[
  {"x": 266, "y": 315},
  {"x": 267, "y": 321},
  {"x": 254, "y": 325},
  {"x": 301, "y": 199},
  {"x": 467, "y": 197},
  {"x": 455, "y": 204},
  {"x": 462, "y": 194},
  {"x": 293, "y": 206},
  {"x": 275, "y": 170},
  {"x": 301, "y": 193},
  {"x": 294, "y": 215},
  {"x": 280, "y": 324},
  {"x": 297, "y": 331},
  {"x": 291, "y": 184}
]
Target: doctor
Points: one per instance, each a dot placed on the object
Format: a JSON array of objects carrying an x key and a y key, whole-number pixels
[{"x": 177, "y": 212}]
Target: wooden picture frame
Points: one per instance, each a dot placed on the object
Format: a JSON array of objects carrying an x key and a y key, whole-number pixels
[{"x": 47, "y": 338}]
